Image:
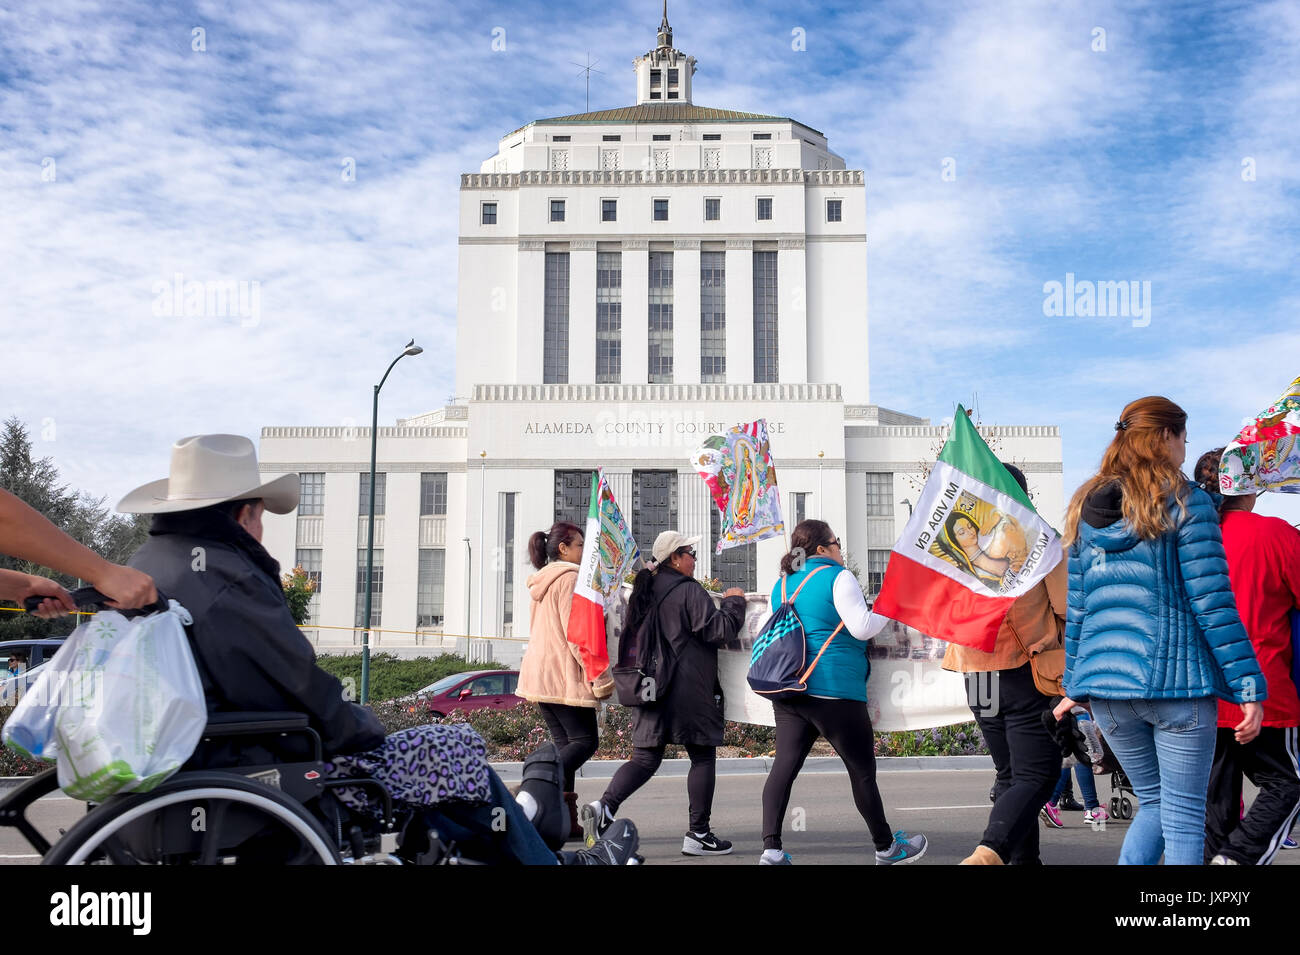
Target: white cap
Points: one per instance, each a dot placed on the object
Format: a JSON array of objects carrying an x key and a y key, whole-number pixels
[{"x": 669, "y": 541}]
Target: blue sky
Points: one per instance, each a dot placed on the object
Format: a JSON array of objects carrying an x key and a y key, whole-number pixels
[{"x": 1171, "y": 156}]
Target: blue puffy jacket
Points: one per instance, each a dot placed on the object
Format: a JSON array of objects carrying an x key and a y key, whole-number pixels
[{"x": 1154, "y": 619}]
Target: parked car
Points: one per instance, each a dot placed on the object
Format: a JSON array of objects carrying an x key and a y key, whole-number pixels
[
  {"x": 37, "y": 652},
  {"x": 475, "y": 690}
]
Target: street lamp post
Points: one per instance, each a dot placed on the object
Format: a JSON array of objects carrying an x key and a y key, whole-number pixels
[
  {"x": 482, "y": 537},
  {"x": 411, "y": 349}
]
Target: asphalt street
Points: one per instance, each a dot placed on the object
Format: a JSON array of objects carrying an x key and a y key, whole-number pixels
[{"x": 822, "y": 825}]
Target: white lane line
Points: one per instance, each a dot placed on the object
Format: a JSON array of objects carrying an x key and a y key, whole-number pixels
[
  {"x": 30, "y": 855},
  {"x": 933, "y": 808}
]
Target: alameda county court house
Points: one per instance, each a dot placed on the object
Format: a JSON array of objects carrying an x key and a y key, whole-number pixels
[{"x": 631, "y": 281}]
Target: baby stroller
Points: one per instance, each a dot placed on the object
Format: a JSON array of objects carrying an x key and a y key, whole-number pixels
[
  {"x": 1122, "y": 795},
  {"x": 1080, "y": 738}
]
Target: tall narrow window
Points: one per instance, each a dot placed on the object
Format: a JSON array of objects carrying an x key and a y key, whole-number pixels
[
  {"x": 433, "y": 493},
  {"x": 309, "y": 559},
  {"x": 764, "y": 209},
  {"x": 834, "y": 210},
  {"x": 381, "y": 486},
  {"x": 311, "y": 493},
  {"x": 800, "y": 508},
  {"x": 489, "y": 213},
  {"x": 880, "y": 494},
  {"x": 431, "y": 588},
  {"x": 557, "y": 210},
  {"x": 661, "y": 318},
  {"x": 713, "y": 316},
  {"x": 376, "y": 587},
  {"x": 608, "y": 210},
  {"x": 555, "y": 320},
  {"x": 508, "y": 560},
  {"x": 609, "y": 317},
  {"x": 877, "y": 562},
  {"x": 765, "y": 317},
  {"x": 661, "y": 210},
  {"x": 712, "y": 210}
]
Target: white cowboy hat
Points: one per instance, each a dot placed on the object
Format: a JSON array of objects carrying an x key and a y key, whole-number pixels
[{"x": 209, "y": 469}]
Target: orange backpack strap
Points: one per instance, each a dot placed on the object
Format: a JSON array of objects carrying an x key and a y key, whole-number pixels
[
  {"x": 795, "y": 595},
  {"x": 808, "y": 672}
]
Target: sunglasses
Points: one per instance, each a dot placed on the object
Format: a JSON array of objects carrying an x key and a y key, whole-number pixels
[{"x": 689, "y": 552}]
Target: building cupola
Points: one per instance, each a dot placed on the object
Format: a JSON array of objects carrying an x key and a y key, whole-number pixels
[{"x": 664, "y": 74}]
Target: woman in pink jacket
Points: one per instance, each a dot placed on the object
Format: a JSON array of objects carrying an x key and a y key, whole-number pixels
[{"x": 553, "y": 674}]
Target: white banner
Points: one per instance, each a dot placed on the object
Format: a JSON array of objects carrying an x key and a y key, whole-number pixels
[{"x": 908, "y": 689}]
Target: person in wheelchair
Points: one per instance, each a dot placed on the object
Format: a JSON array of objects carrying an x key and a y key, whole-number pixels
[{"x": 204, "y": 550}]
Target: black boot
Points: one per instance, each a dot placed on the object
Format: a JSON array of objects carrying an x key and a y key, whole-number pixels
[{"x": 543, "y": 779}]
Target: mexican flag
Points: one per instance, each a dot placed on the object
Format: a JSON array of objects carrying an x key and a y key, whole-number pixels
[
  {"x": 608, "y": 551},
  {"x": 973, "y": 545}
]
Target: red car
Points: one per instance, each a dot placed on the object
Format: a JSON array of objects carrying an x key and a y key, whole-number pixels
[{"x": 476, "y": 690}]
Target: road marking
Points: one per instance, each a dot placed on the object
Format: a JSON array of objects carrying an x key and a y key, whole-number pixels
[
  {"x": 932, "y": 808},
  {"x": 30, "y": 855}
]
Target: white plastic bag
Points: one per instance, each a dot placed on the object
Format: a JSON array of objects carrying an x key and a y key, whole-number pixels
[{"x": 120, "y": 707}]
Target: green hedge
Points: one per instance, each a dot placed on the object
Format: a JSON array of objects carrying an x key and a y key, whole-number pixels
[{"x": 391, "y": 677}]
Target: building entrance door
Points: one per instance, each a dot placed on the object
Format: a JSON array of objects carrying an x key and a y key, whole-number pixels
[
  {"x": 572, "y": 496},
  {"x": 654, "y": 506}
]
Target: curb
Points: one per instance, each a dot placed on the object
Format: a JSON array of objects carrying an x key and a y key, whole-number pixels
[
  {"x": 762, "y": 765},
  {"x": 754, "y": 766}
]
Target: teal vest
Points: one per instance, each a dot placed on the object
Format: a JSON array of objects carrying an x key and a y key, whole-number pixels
[{"x": 842, "y": 672}]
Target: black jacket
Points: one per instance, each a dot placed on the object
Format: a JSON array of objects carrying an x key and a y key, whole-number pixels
[
  {"x": 694, "y": 629},
  {"x": 250, "y": 654}
]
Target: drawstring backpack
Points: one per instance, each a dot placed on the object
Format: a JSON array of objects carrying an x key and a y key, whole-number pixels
[{"x": 776, "y": 666}]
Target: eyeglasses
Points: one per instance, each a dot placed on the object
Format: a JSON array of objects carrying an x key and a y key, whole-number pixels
[
  {"x": 835, "y": 543},
  {"x": 689, "y": 552}
]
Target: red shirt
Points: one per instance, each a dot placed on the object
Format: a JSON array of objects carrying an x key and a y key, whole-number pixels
[{"x": 1264, "y": 567}]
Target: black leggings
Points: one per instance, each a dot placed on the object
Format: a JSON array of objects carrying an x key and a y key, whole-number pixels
[
  {"x": 700, "y": 781},
  {"x": 846, "y": 725},
  {"x": 573, "y": 728}
]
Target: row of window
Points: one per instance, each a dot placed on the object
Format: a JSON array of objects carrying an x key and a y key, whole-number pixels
[
  {"x": 659, "y": 318},
  {"x": 431, "y": 585},
  {"x": 659, "y": 210},
  {"x": 433, "y": 493},
  {"x": 654, "y": 509},
  {"x": 658, "y": 137},
  {"x": 433, "y": 485}
]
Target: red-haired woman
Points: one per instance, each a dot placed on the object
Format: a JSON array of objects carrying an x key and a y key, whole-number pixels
[
  {"x": 563, "y": 680},
  {"x": 1152, "y": 634}
]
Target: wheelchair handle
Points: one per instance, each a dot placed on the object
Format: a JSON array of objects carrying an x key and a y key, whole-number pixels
[{"x": 89, "y": 596}]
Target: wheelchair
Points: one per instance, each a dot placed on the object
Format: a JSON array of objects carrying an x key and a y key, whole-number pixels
[{"x": 219, "y": 809}]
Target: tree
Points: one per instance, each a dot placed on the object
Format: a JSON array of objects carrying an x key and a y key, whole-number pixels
[
  {"x": 299, "y": 588},
  {"x": 84, "y": 518}
]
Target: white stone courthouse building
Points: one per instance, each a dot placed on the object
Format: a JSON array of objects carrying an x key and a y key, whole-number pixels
[{"x": 630, "y": 281}]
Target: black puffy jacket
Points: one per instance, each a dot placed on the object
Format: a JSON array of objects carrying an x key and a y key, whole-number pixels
[{"x": 250, "y": 654}]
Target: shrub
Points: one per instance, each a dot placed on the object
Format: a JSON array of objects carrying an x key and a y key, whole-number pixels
[{"x": 391, "y": 677}]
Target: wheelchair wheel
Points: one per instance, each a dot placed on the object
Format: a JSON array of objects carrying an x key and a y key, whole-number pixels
[
  {"x": 1125, "y": 809},
  {"x": 1114, "y": 807},
  {"x": 198, "y": 818}
]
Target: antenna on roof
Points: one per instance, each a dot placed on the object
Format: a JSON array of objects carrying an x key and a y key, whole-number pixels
[{"x": 589, "y": 69}]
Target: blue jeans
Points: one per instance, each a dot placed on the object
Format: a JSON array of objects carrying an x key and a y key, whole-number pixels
[{"x": 1166, "y": 748}]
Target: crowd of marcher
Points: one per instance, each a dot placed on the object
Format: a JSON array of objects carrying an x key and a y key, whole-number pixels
[{"x": 1168, "y": 624}]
